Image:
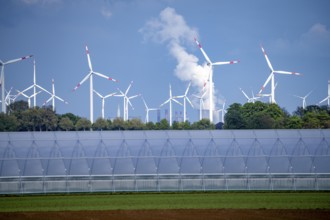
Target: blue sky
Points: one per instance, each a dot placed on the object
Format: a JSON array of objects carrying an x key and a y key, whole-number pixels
[{"x": 133, "y": 40}]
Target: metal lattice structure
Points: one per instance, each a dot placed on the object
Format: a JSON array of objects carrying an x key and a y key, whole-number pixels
[{"x": 95, "y": 161}]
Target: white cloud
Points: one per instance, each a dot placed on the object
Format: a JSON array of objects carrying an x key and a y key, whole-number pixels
[
  {"x": 106, "y": 12},
  {"x": 171, "y": 29},
  {"x": 318, "y": 33}
]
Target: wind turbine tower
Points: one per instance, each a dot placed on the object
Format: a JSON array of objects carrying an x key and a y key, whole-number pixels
[
  {"x": 272, "y": 77},
  {"x": 103, "y": 100},
  {"x": 53, "y": 97},
  {"x": 90, "y": 76},
  {"x": 171, "y": 98},
  {"x": 35, "y": 85},
  {"x": 2, "y": 78},
  {"x": 303, "y": 99},
  {"x": 185, "y": 98},
  {"x": 210, "y": 79},
  {"x": 328, "y": 97}
]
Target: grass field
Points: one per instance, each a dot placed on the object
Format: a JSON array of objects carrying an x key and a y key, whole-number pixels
[{"x": 156, "y": 201}]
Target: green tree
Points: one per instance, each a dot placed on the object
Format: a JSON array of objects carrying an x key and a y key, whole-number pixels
[
  {"x": 18, "y": 106},
  {"x": 8, "y": 122},
  {"x": 294, "y": 122},
  {"x": 234, "y": 117},
  {"x": 66, "y": 124},
  {"x": 203, "y": 124},
  {"x": 83, "y": 124},
  {"x": 100, "y": 124},
  {"x": 135, "y": 124},
  {"x": 150, "y": 126},
  {"x": 118, "y": 124},
  {"x": 49, "y": 119},
  {"x": 163, "y": 125},
  {"x": 310, "y": 120},
  {"x": 31, "y": 120},
  {"x": 261, "y": 120},
  {"x": 72, "y": 117},
  {"x": 177, "y": 125},
  {"x": 324, "y": 119}
]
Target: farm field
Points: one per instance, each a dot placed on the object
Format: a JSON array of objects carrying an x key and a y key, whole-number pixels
[{"x": 208, "y": 205}]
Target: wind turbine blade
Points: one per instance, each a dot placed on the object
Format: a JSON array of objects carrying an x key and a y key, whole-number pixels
[
  {"x": 187, "y": 89},
  {"x": 288, "y": 73},
  {"x": 128, "y": 88},
  {"x": 82, "y": 81},
  {"x": 19, "y": 59},
  {"x": 203, "y": 52},
  {"x": 145, "y": 104},
  {"x": 35, "y": 94},
  {"x": 226, "y": 62},
  {"x": 59, "y": 98},
  {"x": 122, "y": 94},
  {"x": 44, "y": 90},
  {"x": 89, "y": 59},
  {"x": 268, "y": 62},
  {"x": 189, "y": 102},
  {"x": 48, "y": 100},
  {"x": 265, "y": 84},
  {"x": 104, "y": 76},
  {"x": 30, "y": 87},
  {"x": 308, "y": 94},
  {"x": 164, "y": 102},
  {"x": 21, "y": 93},
  {"x": 98, "y": 94},
  {"x": 129, "y": 102},
  {"x": 177, "y": 101},
  {"x": 111, "y": 94},
  {"x": 203, "y": 94},
  {"x": 134, "y": 96},
  {"x": 298, "y": 96},
  {"x": 244, "y": 94},
  {"x": 324, "y": 100},
  {"x": 178, "y": 96}
]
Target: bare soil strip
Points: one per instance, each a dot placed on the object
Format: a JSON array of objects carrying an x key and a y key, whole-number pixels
[{"x": 182, "y": 214}]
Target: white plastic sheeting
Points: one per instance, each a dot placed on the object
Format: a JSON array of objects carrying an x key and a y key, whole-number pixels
[{"x": 42, "y": 162}]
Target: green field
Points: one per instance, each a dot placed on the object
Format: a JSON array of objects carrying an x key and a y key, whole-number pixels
[{"x": 143, "y": 201}]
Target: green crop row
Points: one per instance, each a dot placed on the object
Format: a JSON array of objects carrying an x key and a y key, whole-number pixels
[{"x": 143, "y": 201}]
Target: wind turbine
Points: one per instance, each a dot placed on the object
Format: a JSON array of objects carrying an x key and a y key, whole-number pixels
[
  {"x": 90, "y": 76},
  {"x": 2, "y": 78},
  {"x": 9, "y": 97},
  {"x": 303, "y": 99},
  {"x": 103, "y": 100},
  {"x": 272, "y": 77},
  {"x": 328, "y": 97},
  {"x": 185, "y": 97},
  {"x": 252, "y": 99},
  {"x": 35, "y": 85},
  {"x": 28, "y": 97},
  {"x": 171, "y": 98},
  {"x": 147, "y": 109},
  {"x": 223, "y": 112},
  {"x": 201, "y": 104},
  {"x": 53, "y": 96},
  {"x": 127, "y": 100},
  {"x": 210, "y": 79}
]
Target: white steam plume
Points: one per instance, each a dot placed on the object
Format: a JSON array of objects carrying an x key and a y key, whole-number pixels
[{"x": 171, "y": 29}]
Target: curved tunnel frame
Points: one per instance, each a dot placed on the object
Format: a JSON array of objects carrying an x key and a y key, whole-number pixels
[{"x": 93, "y": 161}]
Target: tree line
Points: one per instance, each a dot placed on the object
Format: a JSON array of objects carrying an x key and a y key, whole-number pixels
[
  {"x": 258, "y": 115},
  {"x": 20, "y": 117},
  {"x": 261, "y": 115}
]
